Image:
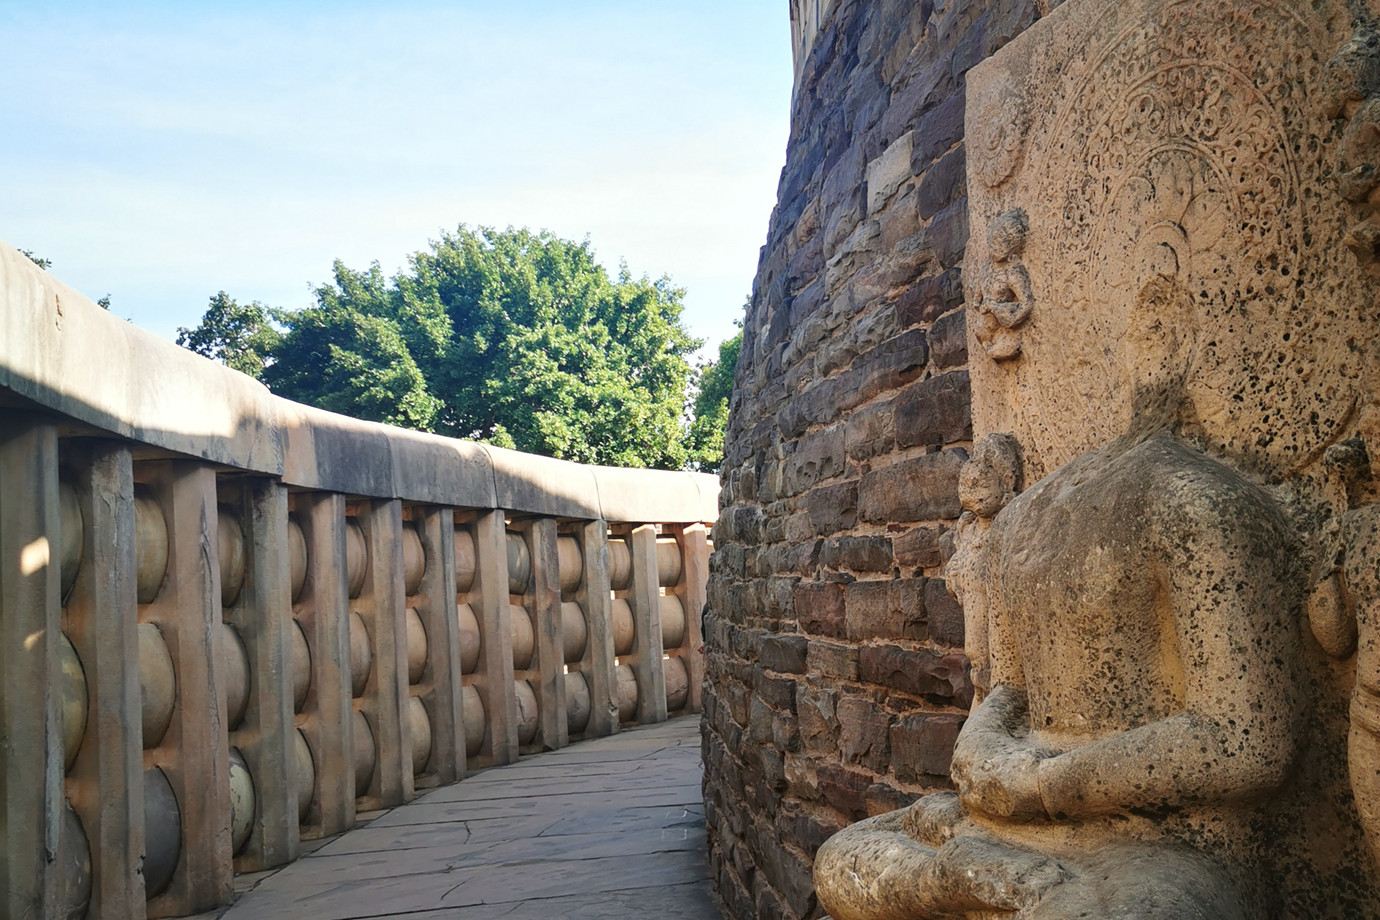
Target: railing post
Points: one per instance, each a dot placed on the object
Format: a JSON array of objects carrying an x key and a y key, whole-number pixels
[
  {"x": 382, "y": 604},
  {"x": 322, "y": 610},
  {"x": 494, "y": 677},
  {"x": 260, "y": 610},
  {"x": 646, "y": 607},
  {"x": 31, "y": 755},
  {"x": 595, "y": 599},
  {"x": 179, "y": 527},
  {"x": 694, "y": 547},
  {"x": 440, "y": 689},
  {"x": 544, "y": 599},
  {"x": 105, "y": 783}
]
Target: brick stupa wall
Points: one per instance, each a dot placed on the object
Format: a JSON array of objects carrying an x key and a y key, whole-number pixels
[{"x": 836, "y": 681}]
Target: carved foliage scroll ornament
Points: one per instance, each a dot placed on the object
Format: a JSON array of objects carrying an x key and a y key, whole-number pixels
[
  {"x": 1352, "y": 94},
  {"x": 997, "y": 138},
  {"x": 1004, "y": 298}
]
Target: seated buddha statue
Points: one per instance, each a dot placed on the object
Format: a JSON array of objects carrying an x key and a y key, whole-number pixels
[{"x": 1143, "y": 655}]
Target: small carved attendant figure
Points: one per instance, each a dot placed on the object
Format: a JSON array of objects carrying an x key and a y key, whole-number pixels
[
  {"x": 986, "y": 484},
  {"x": 1004, "y": 298}
]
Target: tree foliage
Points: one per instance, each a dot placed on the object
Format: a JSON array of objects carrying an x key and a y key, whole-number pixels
[
  {"x": 45, "y": 264},
  {"x": 517, "y": 338},
  {"x": 705, "y": 440},
  {"x": 237, "y": 335},
  {"x": 41, "y": 262}
]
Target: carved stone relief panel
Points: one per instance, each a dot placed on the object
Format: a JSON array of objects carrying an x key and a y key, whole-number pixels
[
  {"x": 1178, "y": 150},
  {"x": 1173, "y": 305}
]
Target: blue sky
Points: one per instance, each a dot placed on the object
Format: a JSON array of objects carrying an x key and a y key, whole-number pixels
[{"x": 160, "y": 152}]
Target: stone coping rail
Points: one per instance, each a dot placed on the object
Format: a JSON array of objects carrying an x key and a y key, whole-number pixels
[
  {"x": 65, "y": 354},
  {"x": 229, "y": 622}
]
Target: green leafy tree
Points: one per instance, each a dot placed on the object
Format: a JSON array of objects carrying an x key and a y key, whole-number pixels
[
  {"x": 45, "y": 264},
  {"x": 516, "y": 338},
  {"x": 240, "y": 336},
  {"x": 41, "y": 262},
  {"x": 529, "y": 344},
  {"x": 339, "y": 357},
  {"x": 709, "y": 420}
]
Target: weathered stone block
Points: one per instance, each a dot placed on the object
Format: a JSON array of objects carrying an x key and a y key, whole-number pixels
[
  {"x": 832, "y": 508},
  {"x": 803, "y": 557},
  {"x": 851, "y": 254},
  {"x": 945, "y": 614},
  {"x": 819, "y": 726},
  {"x": 918, "y": 547},
  {"x": 870, "y": 431},
  {"x": 760, "y": 722},
  {"x": 833, "y": 659},
  {"x": 922, "y": 672},
  {"x": 943, "y": 183},
  {"x": 882, "y": 797},
  {"x": 891, "y": 609},
  {"x": 791, "y": 875},
  {"x": 808, "y": 829},
  {"x": 894, "y": 362},
  {"x": 805, "y": 264},
  {"x": 971, "y": 48},
  {"x": 844, "y": 182},
  {"x": 929, "y": 90},
  {"x": 768, "y": 905},
  {"x": 886, "y": 173},
  {"x": 930, "y": 297},
  {"x": 919, "y": 489},
  {"x": 935, "y": 412},
  {"x": 844, "y": 788},
  {"x": 819, "y": 608},
  {"x": 948, "y": 233},
  {"x": 900, "y": 219},
  {"x": 787, "y": 654},
  {"x": 802, "y": 783},
  {"x": 807, "y": 302},
  {"x": 864, "y": 733},
  {"x": 776, "y": 692},
  {"x": 937, "y": 132},
  {"x": 949, "y": 340},
  {"x": 857, "y": 554},
  {"x": 922, "y": 745},
  {"x": 746, "y": 524},
  {"x": 798, "y": 528}
]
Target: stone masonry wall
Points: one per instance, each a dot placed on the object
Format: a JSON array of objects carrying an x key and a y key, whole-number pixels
[{"x": 836, "y": 682}]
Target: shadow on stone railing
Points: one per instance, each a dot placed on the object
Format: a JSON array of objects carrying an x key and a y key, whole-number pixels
[{"x": 229, "y": 621}]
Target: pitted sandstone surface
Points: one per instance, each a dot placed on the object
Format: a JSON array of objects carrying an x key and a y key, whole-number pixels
[{"x": 1171, "y": 280}]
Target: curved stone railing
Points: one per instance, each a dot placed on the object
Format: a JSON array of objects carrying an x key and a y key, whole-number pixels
[{"x": 229, "y": 622}]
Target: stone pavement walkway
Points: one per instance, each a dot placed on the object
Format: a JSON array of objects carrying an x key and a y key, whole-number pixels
[{"x": 607, "y": 829}]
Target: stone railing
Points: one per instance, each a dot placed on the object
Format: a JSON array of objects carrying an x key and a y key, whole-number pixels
[{"x": 230, "y": 622}]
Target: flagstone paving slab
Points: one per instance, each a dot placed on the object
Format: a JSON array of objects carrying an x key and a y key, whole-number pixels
[{"x": 610, "y": 828}]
